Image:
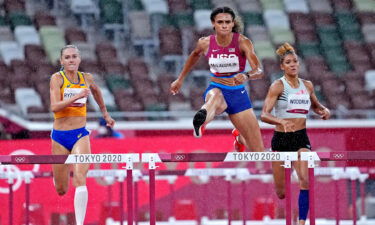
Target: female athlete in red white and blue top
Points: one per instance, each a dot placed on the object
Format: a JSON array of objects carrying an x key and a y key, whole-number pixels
[{"x": 227, "y": 52}]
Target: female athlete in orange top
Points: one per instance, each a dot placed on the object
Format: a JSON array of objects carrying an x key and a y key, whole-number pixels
[{"x": 69, "y": 90}]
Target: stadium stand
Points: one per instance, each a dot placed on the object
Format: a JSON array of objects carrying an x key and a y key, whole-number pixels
[{"x": 334, "y": 38}]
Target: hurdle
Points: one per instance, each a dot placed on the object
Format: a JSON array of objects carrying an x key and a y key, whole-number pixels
[
  {"x": 287, "y": 157},
  {"x": 128, "y": 159},
  {"x": 312, "y": 157}
]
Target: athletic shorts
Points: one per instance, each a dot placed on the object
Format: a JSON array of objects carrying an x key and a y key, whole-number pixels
[
  {"x": 236, "y": 97},
  {"x": 290, "y": 141},
  {"x": 68, "y": 138}
]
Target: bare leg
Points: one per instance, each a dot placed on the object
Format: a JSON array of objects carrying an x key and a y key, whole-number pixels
[
  {"x": 279, "y": 178},
  {"x": 247, "y": 124},
  {"x": 60, "y": 171},
  {"x": 79, "y": 180},
  {"x": 214, "y": 104}
]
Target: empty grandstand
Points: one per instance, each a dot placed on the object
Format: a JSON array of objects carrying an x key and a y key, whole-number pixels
[{"x": 136, "y": 48}]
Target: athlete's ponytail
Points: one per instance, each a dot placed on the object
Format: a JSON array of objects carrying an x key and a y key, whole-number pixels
[{"x": 285, "y": 50}]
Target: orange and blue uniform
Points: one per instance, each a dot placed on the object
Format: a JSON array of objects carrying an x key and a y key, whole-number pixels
[{"x": 68, "y": 138}]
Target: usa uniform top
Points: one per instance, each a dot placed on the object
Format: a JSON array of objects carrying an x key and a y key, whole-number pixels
[
  {"x": 68, "y": 90},
  {"x": 225, "y": 61},
  {"x": 293, "y": 102}
]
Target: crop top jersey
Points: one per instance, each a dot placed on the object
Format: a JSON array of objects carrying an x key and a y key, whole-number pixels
[
  {"x": 225, "y": 61},
  {"x": 68, "y": 90},
  {"x": 293, "y": 102}
]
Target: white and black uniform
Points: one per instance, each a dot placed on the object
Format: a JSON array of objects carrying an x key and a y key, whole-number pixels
[{"x": 292, "y": 103}]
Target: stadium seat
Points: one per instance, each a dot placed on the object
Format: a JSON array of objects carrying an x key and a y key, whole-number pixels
[
  {"x": 249, "y": 6},
  {"x": 6, "y": 34},
  {"x": 365, "y": 5},
  {"x": 155, "y": 6},
  {"x": 87, "y": 50},
  {"x": 140, "y": 26},
  {"x": 221, "y": 3},
  {"x": 275, "y": 18},
  {"x": 201, "y": 4},
  {"x": 111, "y": 12},
  {"x": 27, "y": 97},
  {"x": 43, "y": 18},
  {"x": 368, "y": 31},
  {"x": 252, "y": 18},
  {"x": 202, "y": 19},
  {"x": 264, "y": 49},
  {"x": 178, "y": 6},
  {"x": 342, "y": 5},
  {"x": 322, "y": 6},
  {"x": 296, "y": 6},
  {"x": 108, "y": 99},
  {"x": 370, "y": 80},
  {"x": 91, "y": 66},
  {"x": 272, "y": 4},
  {"x": 257, "y": 33},
  {"x": 73, "y": 34},
  {"x": 308, "y": 49},
  {"x": 26, "y": 35},
  {"x": 10, "y": 50},
  {"x": 53, "y": 40},
  {"x": 19, "y": 18}
]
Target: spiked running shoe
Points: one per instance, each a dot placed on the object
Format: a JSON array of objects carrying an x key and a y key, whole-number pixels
[
  {"x": 198, "y": 121},
  {"x": 237, "y": 145}
]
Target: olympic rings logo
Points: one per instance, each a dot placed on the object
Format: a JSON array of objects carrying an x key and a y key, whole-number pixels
[
  {"x": 14, "y": 169},
  {"x": 179, "y": 157},
  {"x": 20, "y": 159},
  {"x": 338, "y": 155}
]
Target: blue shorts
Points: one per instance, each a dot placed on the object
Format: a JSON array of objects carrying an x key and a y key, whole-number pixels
[
  {"x": 236, "y": 97},
  {"x": 68, "y": 138}
]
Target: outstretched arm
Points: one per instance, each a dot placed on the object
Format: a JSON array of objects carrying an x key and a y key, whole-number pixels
[
  {"x": 316, "y": 106},
  {"x": 194, "y": 56},
  {"x": 97, "y": 94}
]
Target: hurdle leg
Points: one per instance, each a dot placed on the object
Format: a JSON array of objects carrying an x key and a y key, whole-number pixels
[
  {"x": 27, "y": 201},
  {"x": 288, "y": 192},
  {"x": 171, "y": 190},
  {"x": 288, "y": 195},
  {"x": 129, "y": 181},
  {"x": 152, "y": 168},
  {"x": 337, "y": 202},
  {"x": 121, "y": 184},
  {"x": 363, "y": 198},
  {"x": 229, "y": 199},
  {"x": 311, "y": 165},
  {"x": 354, "y": 199},
  {"x": 244, "y": 210},
  {"x": 312, "y": 196},
  {"x": 11, "y": 203},
  {"x": 136, "y": 203}
]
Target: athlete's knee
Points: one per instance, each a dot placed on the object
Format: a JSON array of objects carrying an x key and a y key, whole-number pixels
[
  {"x": 304, "y": 182},
  {"x": 61, "y": 190},
  {"x": 280, "y": 193},
  {"x": 79, "y": 179}
]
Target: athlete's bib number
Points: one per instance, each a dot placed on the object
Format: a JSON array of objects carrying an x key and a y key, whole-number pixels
[
  {"x": 298, "y": 103},
  {"x": 71, "y": 92}
]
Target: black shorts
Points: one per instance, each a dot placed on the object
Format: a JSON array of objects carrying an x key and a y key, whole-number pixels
[{"x": 290, "y": 141}]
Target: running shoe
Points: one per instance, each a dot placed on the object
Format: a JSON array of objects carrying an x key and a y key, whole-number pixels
[
  {"x": 237, "y": 145},
  {"x": 198, "y": 121}
]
